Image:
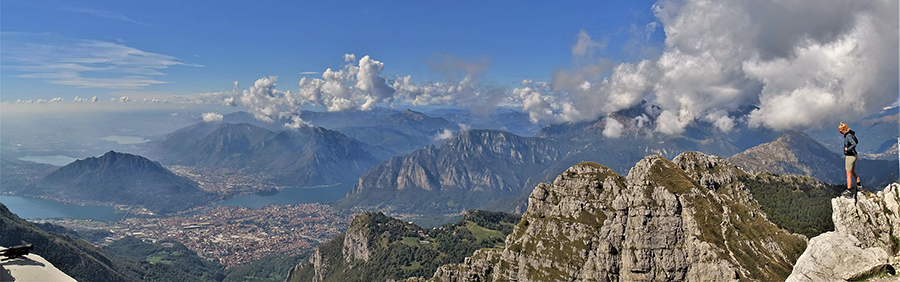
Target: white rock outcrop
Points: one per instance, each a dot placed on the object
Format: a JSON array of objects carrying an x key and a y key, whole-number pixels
[{"x": 864, "y": 242}]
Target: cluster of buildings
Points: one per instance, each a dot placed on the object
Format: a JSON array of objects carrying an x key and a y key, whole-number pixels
[
  {"x": 234, "y": 235},
  {"x": 224, "y": 182}
]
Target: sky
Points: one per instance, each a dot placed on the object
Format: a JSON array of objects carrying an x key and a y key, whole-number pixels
[{"x": 793, "y": 64}]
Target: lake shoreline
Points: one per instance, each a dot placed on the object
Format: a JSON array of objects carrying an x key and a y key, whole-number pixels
[{"x": 29, "y": 205}]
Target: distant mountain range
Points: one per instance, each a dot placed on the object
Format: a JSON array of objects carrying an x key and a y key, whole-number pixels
[
  {"x": 492, "y": 169},
  {"x": 119, "y": 178},
  {"x": 877, "y": 134},
  {"x": 797, "y": 153},
  {"x": 308, "y": 156},
  {"x": 454, "y": 177},
  {"x": 400, "y": 133}
]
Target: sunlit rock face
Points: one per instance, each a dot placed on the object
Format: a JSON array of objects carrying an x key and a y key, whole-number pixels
[{"x": 689, "y": 219}]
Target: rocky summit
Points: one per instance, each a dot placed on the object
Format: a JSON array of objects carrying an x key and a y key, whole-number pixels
[
  {"x": 690, "y": 219},
  {"x": 864, "y": 244}
]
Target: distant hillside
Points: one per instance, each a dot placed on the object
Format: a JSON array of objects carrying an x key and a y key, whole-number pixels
[
  {"x": 797, "y": 153},
  {"x": 119, "y": 178},
  {"x": 380, "y": 248},
  {"x": 16, "y": 174},
  {"x": 267, "y": 269},
  {"x": 466, "y": 171},
  {"x": 309, "y": 156},
  {"x": 166, "y": 252},
  {"x": 78, "y": 258}
]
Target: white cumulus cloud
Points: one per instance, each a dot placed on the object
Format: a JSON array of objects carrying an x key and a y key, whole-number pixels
[
  {"x": 613, "y": 128},
  {"x": 297, "y": 122},
  {"x": 444, "y": 135},
  {"x": 802, "y": 63},
  {"x": 212, "y": 117}
]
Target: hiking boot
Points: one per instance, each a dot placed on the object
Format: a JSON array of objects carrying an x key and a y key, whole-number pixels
[
  {"x": 859, "y": 187},
  {"x": 848, "y": 193}
]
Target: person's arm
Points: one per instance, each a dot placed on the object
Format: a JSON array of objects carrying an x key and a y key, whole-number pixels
[{"x": 852, "y": 142}]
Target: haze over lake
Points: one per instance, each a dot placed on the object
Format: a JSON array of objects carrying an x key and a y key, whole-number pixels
[
  {"x": 26, "y": 207},
  {"x": 57, "y": 160},
  {"x": 126, "y": 140}
]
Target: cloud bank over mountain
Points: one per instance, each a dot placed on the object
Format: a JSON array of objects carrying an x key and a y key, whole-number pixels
[
  {"x": 801, "y": 63},
  {"x": 795, "y": 64}
]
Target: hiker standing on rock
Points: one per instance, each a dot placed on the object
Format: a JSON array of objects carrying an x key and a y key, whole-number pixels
[{"x": 850, "y": 157}]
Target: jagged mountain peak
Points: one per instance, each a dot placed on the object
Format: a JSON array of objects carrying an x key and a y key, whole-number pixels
[{"x": 658, "y": 223}]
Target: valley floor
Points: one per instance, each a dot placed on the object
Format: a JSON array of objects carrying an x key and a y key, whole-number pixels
[{"x": 232, "y": 235}]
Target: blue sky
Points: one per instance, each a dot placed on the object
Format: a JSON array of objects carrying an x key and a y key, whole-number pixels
[
  {"x": 796, "y": 64},
  {"x": 213, "y": 43}
]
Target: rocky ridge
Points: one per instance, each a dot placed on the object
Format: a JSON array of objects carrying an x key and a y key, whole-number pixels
[
  {"x": 865, "y": 241},
  {"x": 687, "y": 219}
]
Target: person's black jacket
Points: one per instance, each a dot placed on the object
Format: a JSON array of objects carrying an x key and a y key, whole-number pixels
[{"x": 850, "y": 143}]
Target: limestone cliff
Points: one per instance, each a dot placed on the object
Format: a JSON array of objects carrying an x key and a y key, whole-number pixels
[
  {"x": 864, "y": 242},
  {"x": 690, "y": 219}
]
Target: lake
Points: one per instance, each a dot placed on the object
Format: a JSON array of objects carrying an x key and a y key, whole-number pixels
[
  {"x": 57, "y": 160},
  {"x": 290, "y": 196},
  {"x": 26, "y": 207},
  {"x": 125, "y": 140}
]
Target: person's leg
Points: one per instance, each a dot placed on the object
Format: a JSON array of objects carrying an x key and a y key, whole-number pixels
[
  {"x": 850, "y": 165},
  {"x": 856, "y": 176},
  {"x": 849, "y": 182}
]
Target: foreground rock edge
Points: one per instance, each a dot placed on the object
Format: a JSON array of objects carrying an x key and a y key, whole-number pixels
[{"x": 864, "y": 243}]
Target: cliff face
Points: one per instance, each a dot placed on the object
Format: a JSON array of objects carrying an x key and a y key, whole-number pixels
[
  {"x": 865, "y": 240},
  {"x": 465, "y": 172},
  {"x": 688, "y": 219}
]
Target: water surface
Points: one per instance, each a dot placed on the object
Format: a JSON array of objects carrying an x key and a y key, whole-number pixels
[
  {"x": 26, "y": 207},
  {"x": 34, "y": 208},
  {"x": 57, "y": 160}
]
